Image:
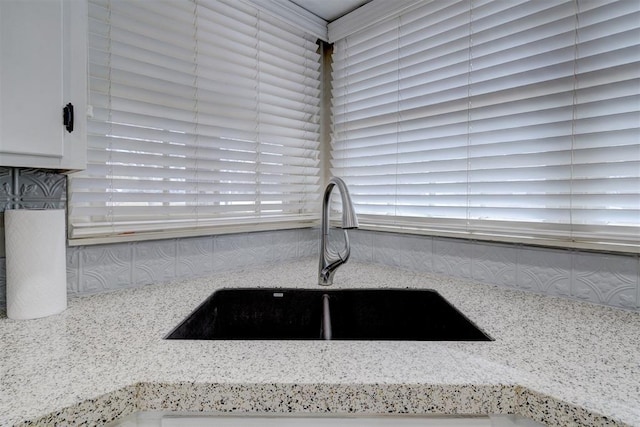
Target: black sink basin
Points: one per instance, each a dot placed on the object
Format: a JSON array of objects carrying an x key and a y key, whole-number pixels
[
  {"x": 254, "y": 314},
  {"x": 304, "y": 314}
]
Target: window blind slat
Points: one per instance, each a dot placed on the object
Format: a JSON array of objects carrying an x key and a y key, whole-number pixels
[
  {"x": 516, "y": 118},
  {"x": 205, "y": 114}
]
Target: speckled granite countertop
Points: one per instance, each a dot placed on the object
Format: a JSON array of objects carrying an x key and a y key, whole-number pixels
[{"x": 557, "y": 361}]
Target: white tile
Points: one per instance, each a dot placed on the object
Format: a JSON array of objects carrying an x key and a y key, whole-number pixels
[
  {"x": 154, "y": 261},
  {"x": 361, "y": 245},
  {"x": 259, "y": 248},
  {"x": 495, "y": 264},
  {"x": 403, "y": 251},
  {"x": 3, "y": 284},
  {"x": 229, "y": 252},
  {"x": 545, "y": 271},
  {"x": 452, "y": 257},
  {"x": 73, "y": 270},
  {"x": 308, "y": 242},
  {"x": 195, "y": 257},
  {"x": 105, "y": 267},
  {"x": 284, "y": 245},
  {"x": 605, "y": 279}
]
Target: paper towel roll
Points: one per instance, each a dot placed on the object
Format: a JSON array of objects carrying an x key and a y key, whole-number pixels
[{"x": 36, "y": 262}]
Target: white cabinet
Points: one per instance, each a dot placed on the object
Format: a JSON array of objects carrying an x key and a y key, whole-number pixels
[{"x": 43, "y": 67}]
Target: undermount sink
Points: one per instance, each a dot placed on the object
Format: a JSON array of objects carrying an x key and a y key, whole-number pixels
[{"x": 305, "y": 314}]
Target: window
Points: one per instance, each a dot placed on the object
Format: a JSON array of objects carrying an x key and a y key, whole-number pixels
[
  {"x": 506, "y": 120},
  {"x": 205, "y": 117}
]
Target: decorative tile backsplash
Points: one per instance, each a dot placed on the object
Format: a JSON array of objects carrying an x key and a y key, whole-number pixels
[
  {"x": 599, "y": 278},
  {"x": 595, "y": 277},
  {"x": 100, "y": 268},
  {"x": 23, "y": 188},
  {"x": 26, "y": 188}
]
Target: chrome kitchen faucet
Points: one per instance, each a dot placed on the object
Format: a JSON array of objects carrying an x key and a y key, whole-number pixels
[{"x": 330, "y": 260}]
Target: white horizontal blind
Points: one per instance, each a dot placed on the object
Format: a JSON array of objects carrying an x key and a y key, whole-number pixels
[
  {"x": 205, "y": 114},
  {"x": 513, "y": 118}
]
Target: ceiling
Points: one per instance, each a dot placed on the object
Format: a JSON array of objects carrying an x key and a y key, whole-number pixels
[{"x": 330, "y": 10}]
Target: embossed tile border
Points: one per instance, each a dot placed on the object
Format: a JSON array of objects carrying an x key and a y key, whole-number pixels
[
  {"x": 101, "y": 268},
  {"x": 608, "y": 279},
  {"x": 598, "y": 278},
  {"x": 605, "y": 279},
  {"x": 31, "y": 189}
]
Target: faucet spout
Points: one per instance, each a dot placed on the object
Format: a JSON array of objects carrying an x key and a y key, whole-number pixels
[{"x": 330, "y": 260}]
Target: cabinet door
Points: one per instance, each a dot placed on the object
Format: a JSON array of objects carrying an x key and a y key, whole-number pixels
[
  {"x": 31, "y": 37},
  {"x": 42, "y": 68}
]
